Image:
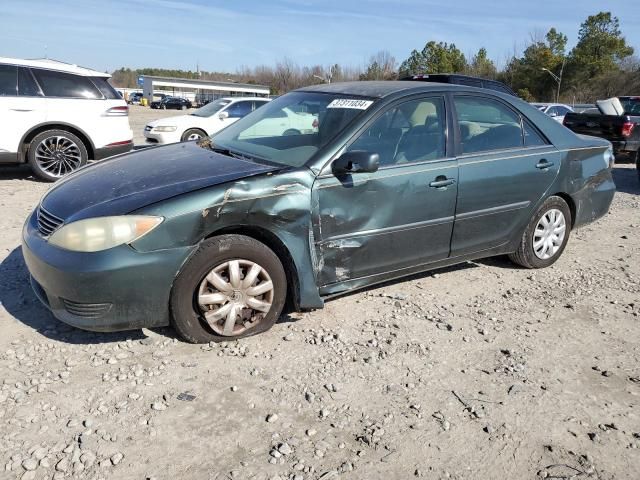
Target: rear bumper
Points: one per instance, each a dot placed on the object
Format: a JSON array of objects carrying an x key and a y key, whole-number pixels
[
  {"x": 111, "y": 150},
  {"x": 626, "y": 146},
  {"x": 116, "y": 289}
]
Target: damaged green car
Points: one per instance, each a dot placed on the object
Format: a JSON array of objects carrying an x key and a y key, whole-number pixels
[{"x": 377, "y": 181}]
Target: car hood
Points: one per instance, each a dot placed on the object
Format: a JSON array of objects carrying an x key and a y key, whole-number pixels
[
  {"x": 129, "y": 182},
  {"x": 177, "y": 121}
]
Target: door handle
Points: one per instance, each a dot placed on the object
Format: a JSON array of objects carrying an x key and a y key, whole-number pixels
[
  {"x": 544, "y": 164},
  {"x": 442, "y": 181}
]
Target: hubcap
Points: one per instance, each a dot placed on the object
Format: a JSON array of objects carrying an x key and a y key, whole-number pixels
[
  {"x": 549, "y": 234},
  {"x": 58, "y": 156},
  {"x": 194, "y": 136},
  {"x": 235, "y": 296}
]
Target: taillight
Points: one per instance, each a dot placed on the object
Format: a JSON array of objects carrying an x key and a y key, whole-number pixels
[
  {"x": 627, "y": 128},
  {"x": 120, "y": 111}
]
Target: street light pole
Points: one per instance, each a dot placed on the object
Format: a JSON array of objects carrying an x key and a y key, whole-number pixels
[{"x": 557, "y": 78}]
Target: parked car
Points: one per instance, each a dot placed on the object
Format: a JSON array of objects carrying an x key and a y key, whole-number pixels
[
  {"x": 458, "y": 79},
  {"x": 134, "y": 98},
  {"x": 214, "y": 236},
  {"x": 617, "y": 121},
  {"x": 56, "y": 116},
  {"x": 171, "y": 103},
  {"x": 201, "y": 122},
  {"x": 557, "y": 111}
]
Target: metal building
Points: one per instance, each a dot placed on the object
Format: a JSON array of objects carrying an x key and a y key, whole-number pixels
[{"x": 199, "y": 91}]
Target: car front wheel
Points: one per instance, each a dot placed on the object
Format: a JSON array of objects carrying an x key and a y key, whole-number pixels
[
  {"x": 55, "y": 153},
  {"x": 232, "y": 287},
  {"x": 192, "y": 134},
  {"x": 546, "y": 236}
]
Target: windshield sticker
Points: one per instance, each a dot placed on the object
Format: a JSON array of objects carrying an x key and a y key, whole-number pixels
[{"x": 349, "y": 103}]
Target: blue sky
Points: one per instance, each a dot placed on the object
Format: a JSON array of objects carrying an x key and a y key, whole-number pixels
[{"x": 225, "y": 35}]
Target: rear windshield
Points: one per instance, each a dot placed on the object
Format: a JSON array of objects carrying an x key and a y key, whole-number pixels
[
  {"x": 105, "y": 88},
  {"x": 631, "y": 105}
]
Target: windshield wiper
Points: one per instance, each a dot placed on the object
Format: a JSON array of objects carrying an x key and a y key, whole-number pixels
[{"x": 225, "y": 151}]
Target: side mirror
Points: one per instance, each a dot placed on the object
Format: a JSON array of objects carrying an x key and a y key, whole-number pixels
[
  {"x": 223, "y": 115},
  {"x": 356, "y": 161}
]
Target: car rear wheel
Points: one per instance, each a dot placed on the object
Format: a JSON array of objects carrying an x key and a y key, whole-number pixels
[
  {"x": 232, "y": 287},
  {"x": 192, "y": 134},
  {"x": 546, "y": 236},
  {"x": 55, "y": 153}
]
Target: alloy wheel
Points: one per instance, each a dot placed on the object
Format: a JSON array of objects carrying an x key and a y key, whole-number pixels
[
  {"x": 235, "y": 296},
  {"x": 58, "y": 156},
  {"x": 194, "y": 136},
  {"x": 549, "y": 234}
]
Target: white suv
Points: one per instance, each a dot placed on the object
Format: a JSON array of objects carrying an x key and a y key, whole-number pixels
[
  {"x": 56, "y": 116},
  {"x": 204, "y": 121}
]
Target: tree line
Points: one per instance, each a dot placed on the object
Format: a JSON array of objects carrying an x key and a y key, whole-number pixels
[{"x": 600, "y": 65}]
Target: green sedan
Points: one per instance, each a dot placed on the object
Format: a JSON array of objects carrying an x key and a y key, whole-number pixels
[{"x": 215, "y": 237}]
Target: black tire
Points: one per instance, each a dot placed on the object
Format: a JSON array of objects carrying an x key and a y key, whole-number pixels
[
  {"x": 192, "y": 131},
  {"x": 47, "y": 174},
  {"x": 525, "y": 254},
  {"x": 291, "y": 131},
  {"x": 187, "y": 319}
]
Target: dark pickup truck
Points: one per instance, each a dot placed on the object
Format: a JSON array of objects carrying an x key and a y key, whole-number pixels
[{"x": 623, "y": 131}]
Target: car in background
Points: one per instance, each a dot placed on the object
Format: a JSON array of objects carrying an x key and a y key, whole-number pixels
[
  {"x": 615, "y": 119},
  {"x": 134, "y": 98},
  {"x": 56, "y": 116},
  {"x": 459, "y": 79},
  {"x": 216, "y": 237},
  {"x": 171, "y": 103},
  {"x": 557, "y": 111},
  {"x": 202, "y": 122}
]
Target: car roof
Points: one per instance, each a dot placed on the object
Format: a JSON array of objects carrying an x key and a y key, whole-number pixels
[
  {"x": 380, "y": 89},
  {"x": 57, "y": 65}
]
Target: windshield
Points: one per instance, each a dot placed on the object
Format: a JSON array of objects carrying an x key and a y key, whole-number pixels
[
  {"x": 292, "y": 128},
  {"x": 211, "y": 108}
]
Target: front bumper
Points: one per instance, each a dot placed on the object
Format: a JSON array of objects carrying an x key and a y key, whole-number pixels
[
  {"x": 116, "y": 289},
  {"x": 161, "y": 138}
]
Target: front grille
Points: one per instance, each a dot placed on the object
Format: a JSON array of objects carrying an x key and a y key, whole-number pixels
[
  {"x": 86, "y": 310},
  {"x": 47, "y": 222}
]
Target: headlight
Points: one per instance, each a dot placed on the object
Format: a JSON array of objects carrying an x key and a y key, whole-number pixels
[
  {"x": 165, "y": 128},
  {"x": 101, "y": 233}
]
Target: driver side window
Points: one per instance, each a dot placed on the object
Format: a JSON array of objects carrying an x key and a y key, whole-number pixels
[{"x": 410, "y": 132}]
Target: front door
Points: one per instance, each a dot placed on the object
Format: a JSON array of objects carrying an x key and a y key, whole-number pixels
[
  {"x": 505, "y": 168},
  {"x": 399, "y": 217}
]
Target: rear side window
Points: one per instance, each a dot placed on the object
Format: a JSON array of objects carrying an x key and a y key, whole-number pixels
[
  {"x": 60, "y": 84},
  {"x": 486, "y": 125},
  {"x": 531, "y": 136},
  {"x": 8, "y": 80},
  {"x": 27, "y": 86},
  {"x": 239, "y": 109},
  {"x": 105, "y": 88}
]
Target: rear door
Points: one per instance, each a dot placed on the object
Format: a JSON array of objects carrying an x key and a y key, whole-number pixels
[
  {"x": 505, "y": 167},
  {"x": 21, "y": 107}
]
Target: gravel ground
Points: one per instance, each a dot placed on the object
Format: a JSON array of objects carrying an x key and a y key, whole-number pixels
[{"x": 479, "y": 371}]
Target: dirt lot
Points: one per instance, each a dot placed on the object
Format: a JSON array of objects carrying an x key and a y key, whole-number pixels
[{"x": 483, "y": 371}]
